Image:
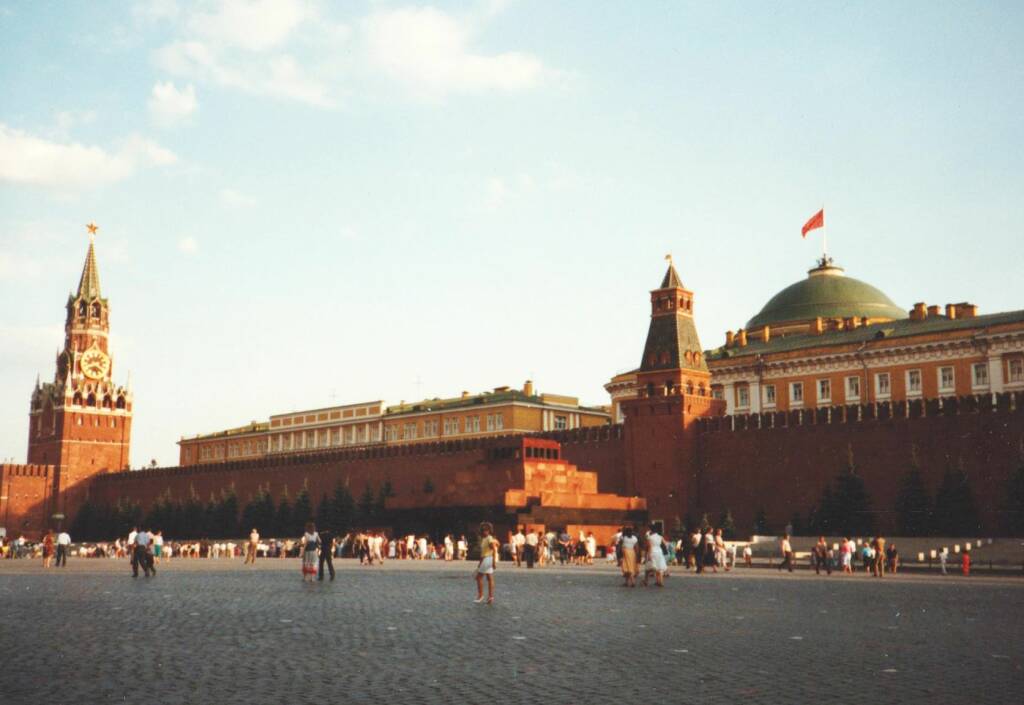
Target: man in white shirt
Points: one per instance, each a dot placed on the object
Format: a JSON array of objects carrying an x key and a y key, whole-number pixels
[
  {"x": 250, "y": 553},
  {"x": 517, "y": 543},
  {"x": 63, "y": 546},
  {"x": 531, "y": 548},
  {"x": 787, "y": 553},
  {"x": 141, "y": 555}
]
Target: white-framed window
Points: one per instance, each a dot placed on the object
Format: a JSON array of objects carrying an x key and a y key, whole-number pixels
[
  {"x": 852, "y": 388},
  {"x": 451, "y": 427},
  {"x": 796, "y": 393},
  {"x": 430, "y": 427},
  {"x": 883, "y": 385},
  {"x": 979, "y": 374},
  {"x": 1015, "y": 369},
  {"x": 824, "y": 390},
  {"x": 490, "y": 422},
  {"x": 716, "y": 392},
  {"x": 947, "y": 380},
  {"x": 472, "y": 424},
  {"x": 769, "y": 395},
  {"x": 743, "y": 396},
  {"x": 561, "y": 423},
  {"x": 336, "y": 437},
  {"x": 913, "y": 383},
  {"x": 409, "y": 430},
  {"x": 499, "y": 422},
  {"x": 391, "y": 433}
]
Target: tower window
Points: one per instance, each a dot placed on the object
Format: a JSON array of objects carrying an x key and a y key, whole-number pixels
[
  {"x": 120, "y": 402},
  {"x": 91, "y": 401},
  {"x": 96, "y": 310}
]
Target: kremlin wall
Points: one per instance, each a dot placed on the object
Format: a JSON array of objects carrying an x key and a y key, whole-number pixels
[{"x": 830, "y": 375}]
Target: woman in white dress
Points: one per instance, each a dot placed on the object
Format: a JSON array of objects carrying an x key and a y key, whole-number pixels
[
  {"x": 655, "y": 558},
  {"x": 310, "y": 542}
]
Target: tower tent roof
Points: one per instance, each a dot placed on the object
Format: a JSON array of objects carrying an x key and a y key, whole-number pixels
[
  {"x": 89, "y": 284},
  {"x": 672, "y": 280}
]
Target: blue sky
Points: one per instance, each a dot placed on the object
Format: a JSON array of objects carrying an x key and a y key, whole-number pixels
[{"x": 306, "y": 203}]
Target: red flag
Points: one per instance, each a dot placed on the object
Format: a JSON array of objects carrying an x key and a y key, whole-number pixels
[{"x": 817, "y": 221}]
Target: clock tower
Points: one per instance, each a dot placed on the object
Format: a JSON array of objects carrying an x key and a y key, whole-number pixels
[{"x": 81, "y": 422}]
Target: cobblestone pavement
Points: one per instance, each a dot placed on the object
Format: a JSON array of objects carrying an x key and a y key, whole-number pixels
[{"x": 214, "y": 631}]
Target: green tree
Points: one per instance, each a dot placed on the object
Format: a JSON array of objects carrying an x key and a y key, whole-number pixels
[
  {"x": 913, "y": 506},
  {"x": 193, "y": 517},
  {"x": 283, "y": 515},
  {"x": 224, "y": 517},
  {"x": 761, "y": 523},
  {"x": 344, "y": 507},
  {"x": 367, "y": 504},
  {"x": 728, "y": 525},
  {"x": 956, "y": 513},
  {"x": 326, "y": 513},
  {"x": 1015, "y": 499},
  {"x": 382, "y": 497},
  {"x": 796, "y": 525},
  {"x": 302, "y": 511},
  {"x": 846, "y": 510}
]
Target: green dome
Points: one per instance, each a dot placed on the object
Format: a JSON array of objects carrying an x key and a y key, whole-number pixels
[{"x": 829, "y": 293}]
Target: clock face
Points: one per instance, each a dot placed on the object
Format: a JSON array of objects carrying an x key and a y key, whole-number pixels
[{"x": 95, "y": 364}]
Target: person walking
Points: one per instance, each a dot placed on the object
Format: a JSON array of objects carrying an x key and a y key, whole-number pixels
[
  {"x": 309, "y": 543},
  {"x": 627, "y": 556},
  {"x": 158, "y": 546},
  {"x": 786, "y": 549},
  {"x": 943, "y": 557},
  {"x": 63, "y": 546},
  {"x": 327, "y": 542},
  {"x": 820, "y": 554},
  {"x": 892, "y": 558},
  {"x": 48, "y": 549},
  {"x": 878, "y": 556},
  {"x": 250, "y": 549},
  {"x": 532, "y": 541},
  {"x": 518, "y": 543},
  {"x": 141, "y": 556},
  {"x": 655, "y": 562},
  {"x": 489, "y": 548},
  {"x": 965, "y": 562}
]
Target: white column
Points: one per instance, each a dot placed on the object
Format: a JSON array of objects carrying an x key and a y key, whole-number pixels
[
  {"x": 729, "y": 392},
  {"x": 755, "y": 397},
  {"x": 995, "y": 372}
]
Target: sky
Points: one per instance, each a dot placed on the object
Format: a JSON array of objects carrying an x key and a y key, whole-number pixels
[{"x": 304, "y": 203}]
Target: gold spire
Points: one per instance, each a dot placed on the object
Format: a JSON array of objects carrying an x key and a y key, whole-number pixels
[{"x": 89, "y": 284}]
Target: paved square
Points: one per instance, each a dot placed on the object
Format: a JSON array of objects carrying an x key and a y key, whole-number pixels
[{"x": 214, "y": 631}]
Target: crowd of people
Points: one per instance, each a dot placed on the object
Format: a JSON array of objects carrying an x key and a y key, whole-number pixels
[{"x": 643, "y": 555}]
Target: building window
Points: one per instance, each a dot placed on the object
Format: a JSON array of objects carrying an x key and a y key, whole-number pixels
[
  {"x": 980, "y": 374},
  {"x": 499, "y": 422},
  {"x": 472, "y": 424},
  {"x": 769, "y": 395},
  {"x": 852, "y": 388},
  {"x": 490, "y": 422},
  {"x": 796, "y": 393},
  {"x": 409, "y": 431},
  {"x": 883, "y": 385},
  {"x": 451, "y": 427},
  {"x": 1016, "y": 369},
  {"x": 947, "y": 381},
  {"x": 391, "y": 433},
  {"x": 913, "y": 383},
  {"x": 743, "y": 397},
  {"x": 430, "y": 427},
  {"x": 824, "y": 390},
  {"x": 716, "y": 392},
  {"x": 561, "y": 423},
  {"x": 336, "y": 437},
  {"x": 311, "y": 439}
]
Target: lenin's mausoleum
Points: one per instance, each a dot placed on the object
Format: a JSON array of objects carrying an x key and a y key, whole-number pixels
[{"x": 829, "y": 375}]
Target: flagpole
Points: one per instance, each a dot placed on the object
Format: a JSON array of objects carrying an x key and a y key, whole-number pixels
[{"x": 824, "y": 235}]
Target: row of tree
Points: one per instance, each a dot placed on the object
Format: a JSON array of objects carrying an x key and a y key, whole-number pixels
[
  {"x": 222, "y": 517},
  {"x": 845, "y": 507}
]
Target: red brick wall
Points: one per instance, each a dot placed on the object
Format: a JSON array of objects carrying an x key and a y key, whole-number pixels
[
  {"x": 25, "y": 499},
  {"x": 785, "y": 470}
]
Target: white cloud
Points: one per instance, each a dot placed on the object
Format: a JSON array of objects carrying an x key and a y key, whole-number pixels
[
  {"x": 36, "y": 161},
  {"x": 429, "y": 51},
  {"x": 169, "y": 106},
  {"x": 255, "y": 25},
  {"x": 279, "y": 76},
  {"x": 188, "y": 245},
  {"x": 287, "y": 49},
  {"x": 236, "y": 199},
  {"x": 155, "y": 11}
]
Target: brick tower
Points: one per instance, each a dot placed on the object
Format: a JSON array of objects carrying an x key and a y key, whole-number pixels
[
  {"x": 674, "y": 391},
  {"x": 81, "y": 422}
]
